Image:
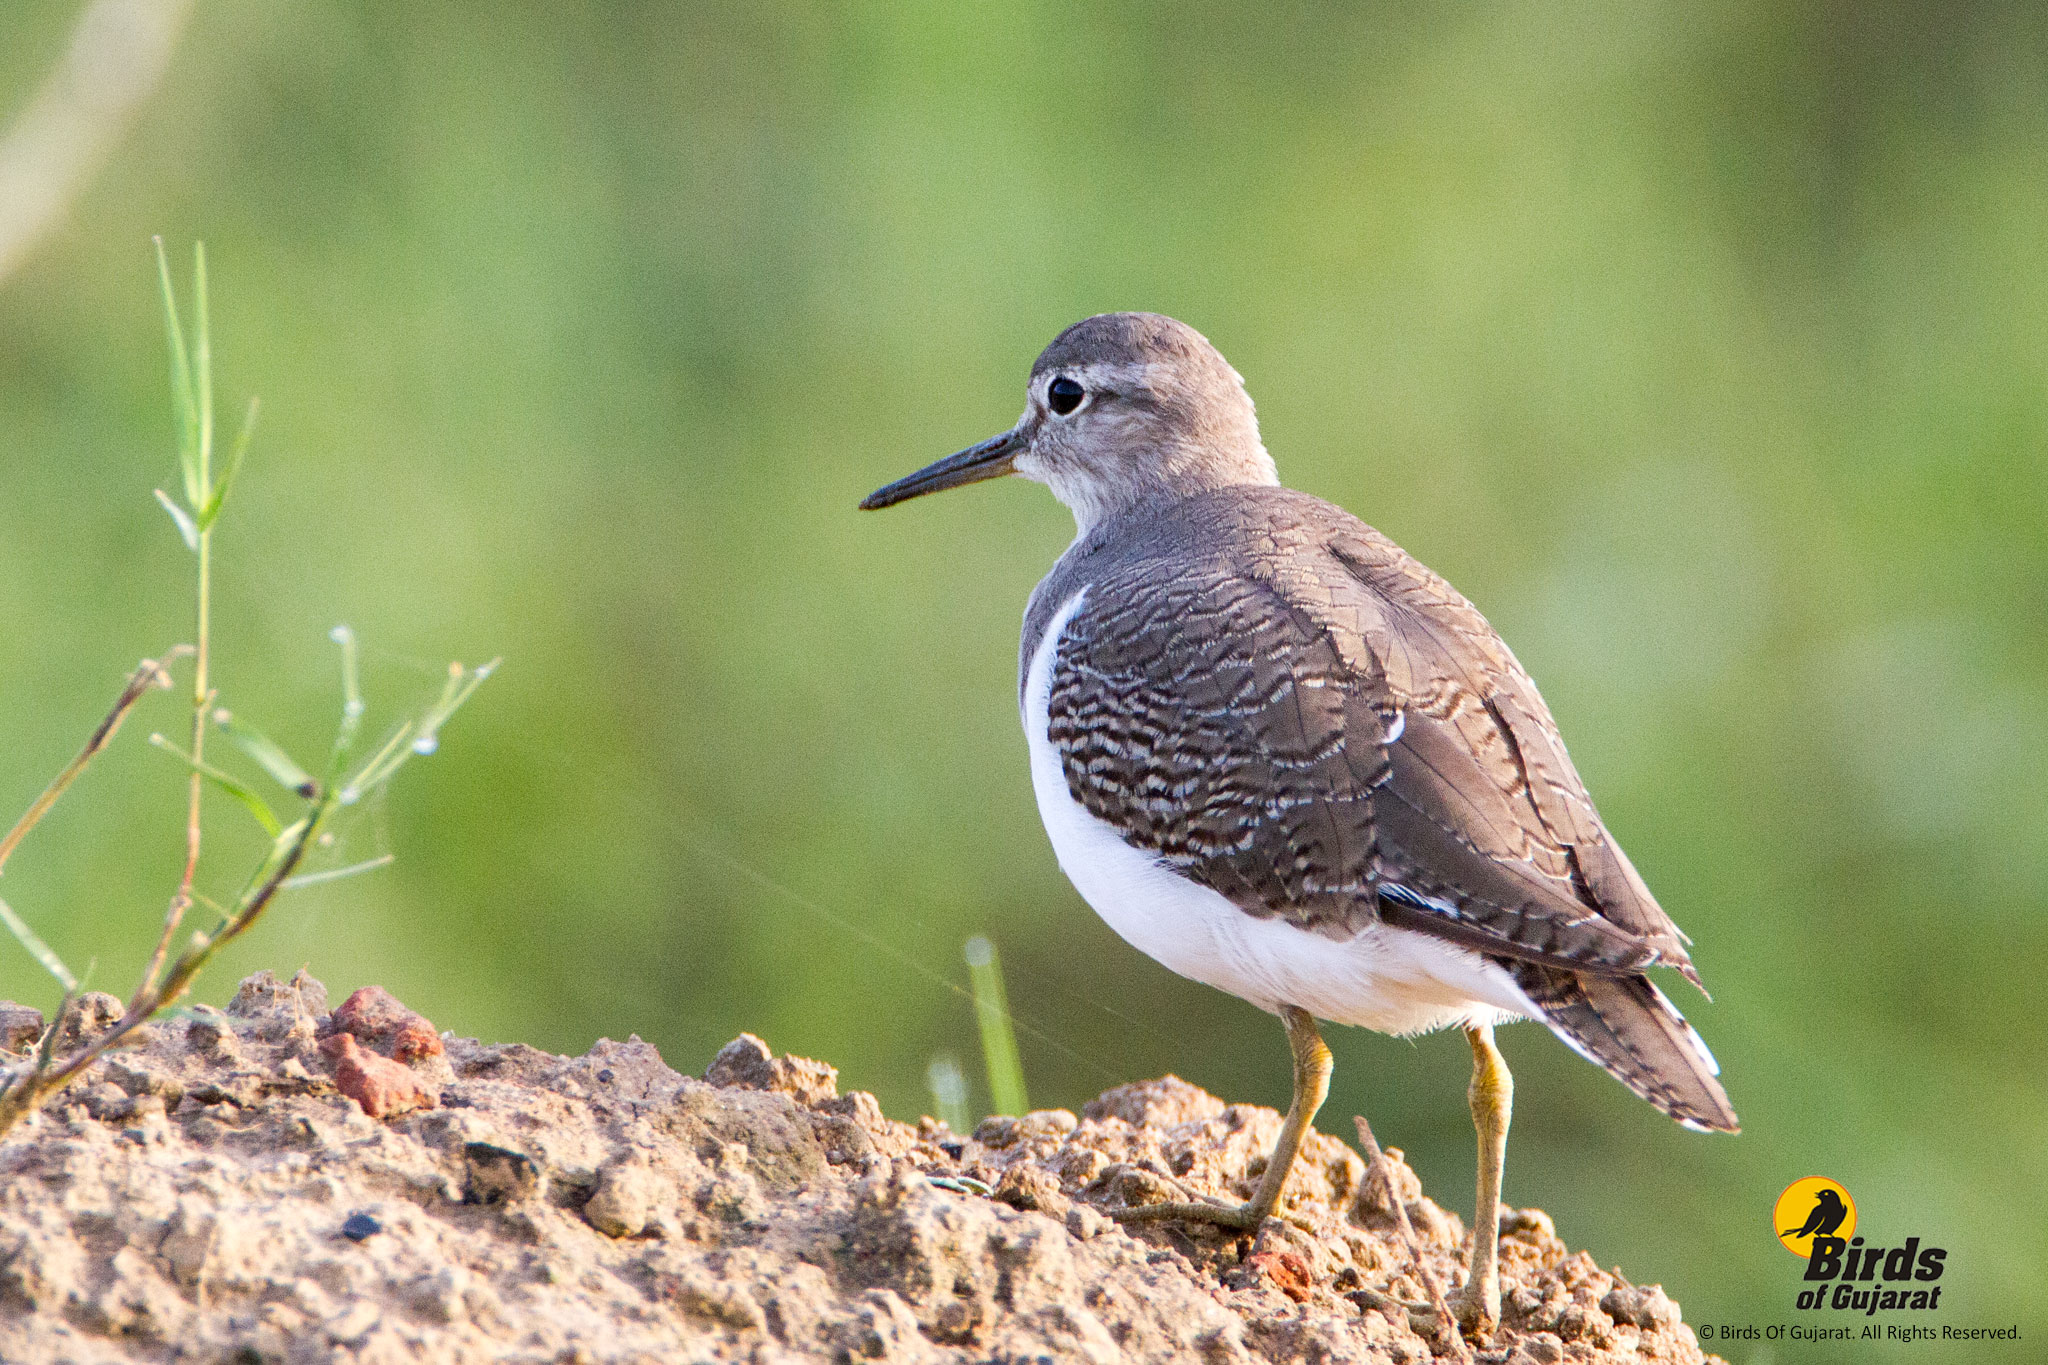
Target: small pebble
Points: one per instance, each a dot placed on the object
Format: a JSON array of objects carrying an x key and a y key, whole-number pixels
[
  {"x": 605, "y": 1076},
  {"x": 360, "y": 1226}
]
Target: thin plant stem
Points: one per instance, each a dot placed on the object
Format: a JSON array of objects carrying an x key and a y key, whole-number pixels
[
  {"x": 192, "y": 390},
  {"x": 23, "y": 1093},
  {"x": 149, "y": 673},
  {"x": 1446, "y": 1324},
  {"x": 201, "y": 703}
]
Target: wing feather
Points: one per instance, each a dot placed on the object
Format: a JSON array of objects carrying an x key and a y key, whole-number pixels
[{"x": 1306, "y": 735}]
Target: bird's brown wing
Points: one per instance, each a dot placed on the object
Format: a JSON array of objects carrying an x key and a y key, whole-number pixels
[
  {"x": 1323, "y": 731},
  {"x": 1480, "y": 770},
  {"x": 1333, "y": 749}
]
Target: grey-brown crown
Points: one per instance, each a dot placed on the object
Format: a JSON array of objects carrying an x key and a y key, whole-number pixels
[{"x": 1135, "y": 336}]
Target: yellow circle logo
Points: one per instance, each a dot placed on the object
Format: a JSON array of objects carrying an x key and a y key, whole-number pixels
[{"x": 1814, "y": 1206}]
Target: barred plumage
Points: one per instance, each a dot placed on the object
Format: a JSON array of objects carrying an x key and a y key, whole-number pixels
[{"x": 1288, "y": 709}]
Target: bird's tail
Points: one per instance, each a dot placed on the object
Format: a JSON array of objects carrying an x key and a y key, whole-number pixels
[{"x": 1625, "y": 1025}]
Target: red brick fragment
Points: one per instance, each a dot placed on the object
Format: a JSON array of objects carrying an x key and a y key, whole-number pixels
[
  {"x": 381, "y": 1086},
  {"x": 375, "y": 1015},
  {"x": 1285, "y": 1271}
]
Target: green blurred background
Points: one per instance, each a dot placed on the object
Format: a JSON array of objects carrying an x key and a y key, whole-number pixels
[{"x": 1705, "y": 346}]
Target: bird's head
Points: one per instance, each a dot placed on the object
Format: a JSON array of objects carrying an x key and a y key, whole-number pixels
[{"x": 1122, "y": 408}]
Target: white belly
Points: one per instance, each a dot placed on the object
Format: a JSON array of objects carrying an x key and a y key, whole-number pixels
[{"x": 1393, "y": 980}]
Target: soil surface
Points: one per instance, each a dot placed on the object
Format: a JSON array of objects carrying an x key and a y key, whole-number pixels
[{"x": 275, "y": 1182}]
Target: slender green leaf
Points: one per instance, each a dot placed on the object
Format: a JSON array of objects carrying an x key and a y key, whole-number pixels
[
  {"x": 998, "y": 1039},
  {"x": 428, "y": 738},
  {"x": 458, "y": 689},
  {"x": 202, "y": 373},
  {"x": 281, "y": 846},
  {"x": 211, "y": 511},
  {"x": 185, "y": 527},
  {"x": 253, "y": 803},
  {"x": 335, "y": 874},
  {"x": 268, "y": 754},
  {"x": 280, "y": 849},
  {"x": 39, "y": 950},
  {"x": 417, "y": 737},
  {"x": 182, "y": 399},
  {"x": 386, "y": 761},
  {"x": 351, "y": 701}
]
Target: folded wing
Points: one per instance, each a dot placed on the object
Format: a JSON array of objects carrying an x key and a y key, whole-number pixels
[{"x": 1340, "y": 737}]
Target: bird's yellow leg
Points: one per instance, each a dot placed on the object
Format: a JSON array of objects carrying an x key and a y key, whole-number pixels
[
  {"x": 1492, "y": 1094},
  {"x": 1311, "y": 1086}
]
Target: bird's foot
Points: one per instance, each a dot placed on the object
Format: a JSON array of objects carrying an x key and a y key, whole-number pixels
[
  {"x": 1246, "y": 1217},
  {"x": 1476, "y": 1314},
  {"x": 1186, "y": 1206},
  {"x": 1190, "y": 1207},
  {"x": 1421, "y": 1317},
  {"x": 1477, "y": 1308},
  {"x": 1194, "y": 1207},
  {"x": 1216, "y": 1212}
]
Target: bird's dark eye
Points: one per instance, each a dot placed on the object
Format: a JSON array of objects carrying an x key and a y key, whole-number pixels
[{"x": 1063, "y": 395}]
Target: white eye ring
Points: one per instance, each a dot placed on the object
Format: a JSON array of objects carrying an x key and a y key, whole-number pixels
[{"x": 1065, "y": 396}]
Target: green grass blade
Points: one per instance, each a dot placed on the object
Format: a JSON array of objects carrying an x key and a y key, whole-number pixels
[
  {"x": 461, "y": 685},
  {"x": 998, "y": 1039},
  {"x": 381, "y": 765},
  {"x": 422, "y": 736},
  {"x": 427, "y": 740},
  {"x": 182, "y": 400},
  {"x": 46, "y": 1049},
  {"x": 249, "y": 800},
  {"x": 202, "y": 373},
  {"x": 37, "y": 949},
  {"x": 351, "y": 700},
  {"x": 280, "y": 849},
  {"x": 211, "y": 511},
  {"x": 186, "y": 529},
  {"x": 335, "y": 874},
  {"x": 268, "y": 755}
]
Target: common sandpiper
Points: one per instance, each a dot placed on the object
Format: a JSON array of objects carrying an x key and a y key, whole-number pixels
[{"x": 1281, "y": 757}]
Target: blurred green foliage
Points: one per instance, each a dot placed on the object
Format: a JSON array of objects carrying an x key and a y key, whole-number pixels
[{"x": 1704, "y": 346}]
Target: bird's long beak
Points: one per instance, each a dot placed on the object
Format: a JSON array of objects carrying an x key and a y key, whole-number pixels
[{"x": 991, "y": 459}]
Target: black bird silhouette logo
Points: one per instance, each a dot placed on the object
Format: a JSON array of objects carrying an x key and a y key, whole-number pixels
[{"x": 1828, "y": 1213}]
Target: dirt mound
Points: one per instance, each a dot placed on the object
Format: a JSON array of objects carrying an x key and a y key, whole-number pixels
[{"x": 222, "y": 1192}]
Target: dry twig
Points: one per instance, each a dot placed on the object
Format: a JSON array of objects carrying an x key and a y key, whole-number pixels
[{"x": 1446, "y": 1323}]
